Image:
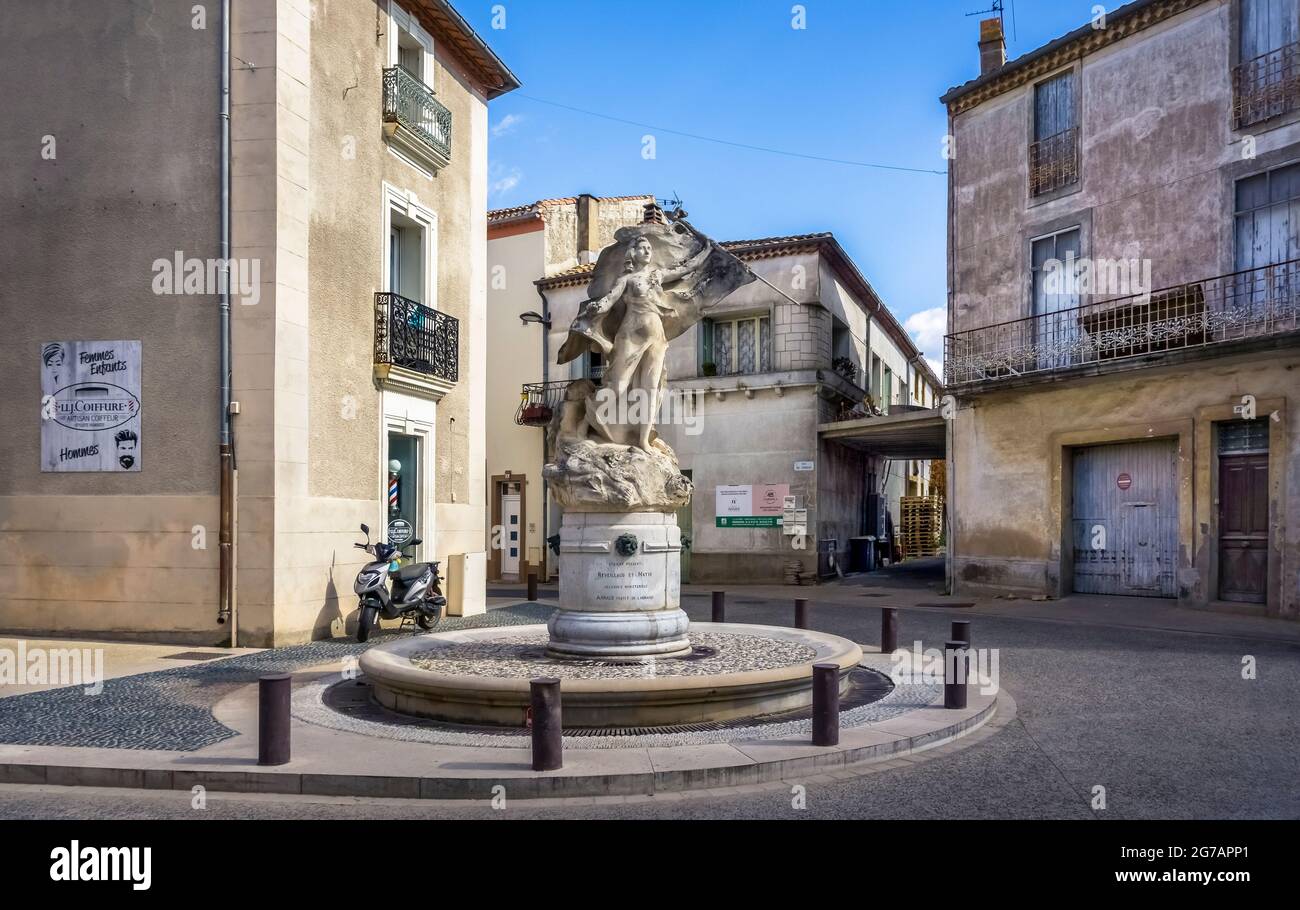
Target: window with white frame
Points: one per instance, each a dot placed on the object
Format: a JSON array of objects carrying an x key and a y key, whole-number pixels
[
  {"x": 410, "y": 248},
  {"x": 742, "y": 345},
  {"x": 410, "y": 46}
]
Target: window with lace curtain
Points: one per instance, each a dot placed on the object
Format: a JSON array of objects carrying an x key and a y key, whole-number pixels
[{"x": 738, "y": 345}]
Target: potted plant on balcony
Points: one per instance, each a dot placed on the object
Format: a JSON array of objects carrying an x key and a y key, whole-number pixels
[
  {"x": 709, "y": 368},
  {"x": 846, "y": 368},
  {"x": 536, "y": 414}
]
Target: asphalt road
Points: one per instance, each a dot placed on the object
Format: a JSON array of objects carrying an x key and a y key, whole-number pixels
[{"x": 1164, "y": 721}]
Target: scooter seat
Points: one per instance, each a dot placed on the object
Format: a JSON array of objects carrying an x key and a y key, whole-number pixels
[{"x": 412, "y": 572}]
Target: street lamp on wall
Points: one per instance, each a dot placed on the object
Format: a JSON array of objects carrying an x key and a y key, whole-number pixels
[{"x": 534, "y": 317}]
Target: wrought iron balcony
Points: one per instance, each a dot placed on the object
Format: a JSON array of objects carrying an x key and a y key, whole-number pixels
[
  {"x": 1243, "y": 306},
  {"x": 410, "y": 110},
  {"x": 1054, "y": 162},
  {"x": 539, "y": 401},
  {"x": 415, "y": 337},
  {"x": 1266, "y": 87}
]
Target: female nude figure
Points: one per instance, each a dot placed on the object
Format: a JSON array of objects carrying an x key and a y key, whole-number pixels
[{"x": 635, "y": 377}]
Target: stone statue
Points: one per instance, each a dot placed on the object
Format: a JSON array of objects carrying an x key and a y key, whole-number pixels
[
  {"x": 619, "y": 483},
  {"x": 651, "y": 285}
]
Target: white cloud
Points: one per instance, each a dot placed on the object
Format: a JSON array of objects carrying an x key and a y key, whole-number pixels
[
  {"x": 506, "y": 183},
  {"x": 927, "y": 329},
  {"x": 506, "y": 125}
]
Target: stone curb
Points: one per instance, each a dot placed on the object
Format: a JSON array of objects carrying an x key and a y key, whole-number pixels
[{"x": 557, "y": 784}]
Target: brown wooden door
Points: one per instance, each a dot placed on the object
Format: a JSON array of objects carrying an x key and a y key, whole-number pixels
[{"x": 1243, "y": 527}]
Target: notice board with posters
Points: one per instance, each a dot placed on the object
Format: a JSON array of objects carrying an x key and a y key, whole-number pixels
[
  {"x": 750, "y": 506},
  {"x": 90, "y": 406}
]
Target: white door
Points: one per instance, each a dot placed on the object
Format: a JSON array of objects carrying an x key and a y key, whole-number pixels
[{"x": 513, "y": 536}]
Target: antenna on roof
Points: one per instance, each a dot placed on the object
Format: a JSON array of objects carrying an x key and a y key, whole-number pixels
[{"x": 996, "y": 8}]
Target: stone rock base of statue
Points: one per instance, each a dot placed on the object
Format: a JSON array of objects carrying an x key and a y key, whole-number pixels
[{"x": 620, "y": 587}]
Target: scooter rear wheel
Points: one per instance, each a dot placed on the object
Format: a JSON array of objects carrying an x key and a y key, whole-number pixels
[{"x": 427, "y": 621}]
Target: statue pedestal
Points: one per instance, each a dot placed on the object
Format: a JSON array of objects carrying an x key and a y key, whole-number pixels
[{"x": 620, "y": 587}]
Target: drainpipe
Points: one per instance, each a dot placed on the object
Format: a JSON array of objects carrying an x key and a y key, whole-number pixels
[
  {"x": 226, "y": 610},
  {"x": 546, "y": 368}
]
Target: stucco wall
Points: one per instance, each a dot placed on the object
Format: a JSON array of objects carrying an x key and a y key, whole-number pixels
[
  {"x": 128, "y": 91},
  {"x": 1155, "y": 127},
  {"x": 1013, "y": 502},
  {"x": 515, "y": 356}
]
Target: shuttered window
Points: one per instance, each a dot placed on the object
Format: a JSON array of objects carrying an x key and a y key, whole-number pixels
[
  {"x": 1054, "y": 108},
  {"x": 1267, "y": 26}
]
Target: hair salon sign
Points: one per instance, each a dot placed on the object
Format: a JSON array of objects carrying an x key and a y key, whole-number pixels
[{"x": 90, "y": 406}]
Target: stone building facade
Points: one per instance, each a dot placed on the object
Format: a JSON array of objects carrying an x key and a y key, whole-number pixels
[
  {"x": 751, "y": 389},
  {"x": 1123, "y": 318},
  {"x": 358, "y": 183}
]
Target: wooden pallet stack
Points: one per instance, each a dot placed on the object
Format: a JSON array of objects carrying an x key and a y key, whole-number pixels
[
  {"x": 920, "y": 525},
  {"x": 939, "y": 478}
]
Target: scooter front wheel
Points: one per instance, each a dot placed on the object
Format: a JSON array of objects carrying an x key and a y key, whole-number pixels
[{"x": 366, "y": 623}]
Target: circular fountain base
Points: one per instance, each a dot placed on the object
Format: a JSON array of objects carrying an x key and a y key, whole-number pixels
[{"x": 481, "y": 676}]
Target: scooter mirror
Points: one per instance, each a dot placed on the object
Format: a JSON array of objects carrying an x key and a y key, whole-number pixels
[
  {"x": 365, "y": 529},
  {"x": 414, "y": 542}
]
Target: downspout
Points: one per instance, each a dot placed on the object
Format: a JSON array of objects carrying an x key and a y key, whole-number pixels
[
  {"x": 950, "y": 470},
  {"x": 546, "y": 368},
  {"x": 227, "y": 610}
]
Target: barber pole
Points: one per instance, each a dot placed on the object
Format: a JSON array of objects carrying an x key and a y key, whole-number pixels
[{"x": 392, "y": 494}]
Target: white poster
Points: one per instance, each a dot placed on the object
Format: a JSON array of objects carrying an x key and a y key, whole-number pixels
[
  {"x": 90, "y": 406},
  {"x": 734, "y": 502}
]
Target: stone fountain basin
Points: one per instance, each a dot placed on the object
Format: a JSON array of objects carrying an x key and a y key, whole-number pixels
[{"x": 651, "y": 700}]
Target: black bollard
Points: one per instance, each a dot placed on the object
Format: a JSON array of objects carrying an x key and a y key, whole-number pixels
[
  {"x": 719, "y": 606},
  {"x": 548, "y": 742},
  {"x": 826, "y": 705},
  {"x": 956, "y": 666},
  {"x": 532, "y": 586},
  {"x": 961, "y": 630},
  {"x": 273, "y": 719},
  {"x": 801, "y": 613},
  {"x": 888, "y": 630}
]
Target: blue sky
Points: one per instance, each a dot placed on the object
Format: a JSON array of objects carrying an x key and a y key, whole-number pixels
[{"x": 860, "y": 83}]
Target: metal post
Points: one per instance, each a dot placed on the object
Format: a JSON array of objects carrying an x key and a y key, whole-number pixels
[
  {"x": 888, "y": 630},
  {"x": 548, "y": 742},
  {"x": 961, "y": 630},
  {"x": 719, "y": 606},
  {"x": 801, "y": 613},
  {"x": 273, "y": 719},
  {"x": 955, "y": 669},
  {"x": 826, "y": 705},
  {"x": 532, "y": 585}
]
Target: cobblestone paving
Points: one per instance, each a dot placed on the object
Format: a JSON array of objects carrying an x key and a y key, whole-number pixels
[
  {"x": 522, "y": 655},
  {"x": 172, "y": 709}
]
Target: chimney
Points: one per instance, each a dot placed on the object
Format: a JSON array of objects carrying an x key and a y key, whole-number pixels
[
  {"x": 588, "y": 228},
  {"x": 653, "y": 214},
  {"x": 993, "y": 46}
]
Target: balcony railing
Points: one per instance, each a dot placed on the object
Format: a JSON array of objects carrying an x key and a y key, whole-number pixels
[
  {"x": 539, "y": 401},
  {"x": 1266, "y": 87},
  {"x": 1054, "y": 162},
  {"x": 415, "y": 337},
  {"x": 1251, "y": 304},
  {"x": 410, "y": 104}
]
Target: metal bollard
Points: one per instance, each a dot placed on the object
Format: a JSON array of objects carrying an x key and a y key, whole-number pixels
[
  {"x": 961, "y": 630},
  {"x": 719, "y": 606},
  {"x": 888, "y": 630},
  {"x": 548, "y": 742},
  {"x": 532, "y": 587},
  {"x": 801, "y": 613},
  {"x": 956, "y": 667},
  {"x": 826, "y": 705},
  {"x": 273, "y": 693}
]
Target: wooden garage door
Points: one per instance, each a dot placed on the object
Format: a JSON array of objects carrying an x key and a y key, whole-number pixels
[{"x": 1125, "y": 519}]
